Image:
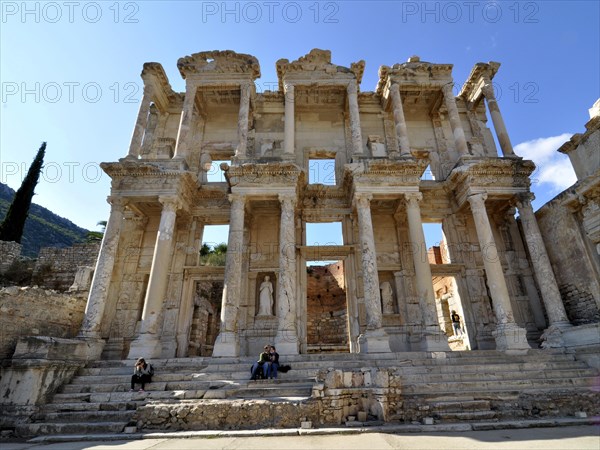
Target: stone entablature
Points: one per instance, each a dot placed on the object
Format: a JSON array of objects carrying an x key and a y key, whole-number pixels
[{"x": 379, "y": 145}]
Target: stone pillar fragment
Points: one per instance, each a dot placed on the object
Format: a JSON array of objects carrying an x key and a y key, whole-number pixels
[
  {"x": 140, "y": 124},
  {"x": 357, "y": 145},
  {"x": 286, "y": 339},
  {"x": 457, "y": 130},
  {"x": 148, "y": 342},
  {"x": 508, "y": 335},
  {"x": 289, "y": 124},
  {"x": 228, "y": 340},
  {"x": 498, "y": 121},
  {"x": 543, "y": 274},
  {"x": 400, "y": 122},
  {"x": 96, "y": 304},
  {"x": 243, "y": 121},
  {"x": 184, "y": 135},
  {"x": 374, "y": 339},
  {"x": 434, "y": 338}
]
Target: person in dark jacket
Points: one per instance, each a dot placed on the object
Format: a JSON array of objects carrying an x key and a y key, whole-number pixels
[
  {"x": 258, "y": 366},
  {"x": 142, "y": 374},
  {"x": 273, "y": 364}
]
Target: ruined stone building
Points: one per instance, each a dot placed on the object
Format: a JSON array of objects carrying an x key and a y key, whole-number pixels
[{"x": 152, "y": 296}]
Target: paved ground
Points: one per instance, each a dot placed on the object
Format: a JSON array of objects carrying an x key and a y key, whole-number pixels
[{"x": 562, "y": 438}]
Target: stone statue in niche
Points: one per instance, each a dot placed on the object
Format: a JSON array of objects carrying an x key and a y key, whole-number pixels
[
  {"x": 387, "y": 298},
  {"x": 265, "y": 306}
]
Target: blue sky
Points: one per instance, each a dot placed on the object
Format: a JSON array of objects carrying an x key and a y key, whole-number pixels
[{"x": 69, "y": 71}]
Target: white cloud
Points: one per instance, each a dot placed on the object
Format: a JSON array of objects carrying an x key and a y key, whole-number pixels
[{"x": 553, "y": 168}]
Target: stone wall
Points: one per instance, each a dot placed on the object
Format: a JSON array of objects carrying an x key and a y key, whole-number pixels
[
  {"x": 326, "y": 306},
  {"x": 577, "y": 282},
  {"x": 37, "y": 312},
  {"x": 56, "y": 267},
  {"x": 10, "y": 251}
]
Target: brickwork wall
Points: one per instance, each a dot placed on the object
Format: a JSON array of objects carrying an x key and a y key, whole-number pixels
[
  {"x": 10, "y": 251},
  {"x": 579, "y": 304},
  {"x": 326, "y": 305},
  {"x": 56, "y": 267},
  {"x": 37, "y": 312}
]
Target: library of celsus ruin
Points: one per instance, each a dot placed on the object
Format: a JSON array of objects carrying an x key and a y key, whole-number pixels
[{"x": 151, "y": 294}]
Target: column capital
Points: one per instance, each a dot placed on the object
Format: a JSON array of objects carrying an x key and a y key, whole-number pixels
[
  {"x": 447, "y": 89},
  {"x": 287, "y": 200},
  {"x": 363, "y": 199},
  {"x": 413, "y": 198},
  {"x": 170, "y": 202},
  {"x": 524, "y": 200},
  {"x": 487, "y": 88},
  {"x": 236, "y": 198},
  {"x": 477, "y": 200},
  {"x": 118, "y": 203},
  {"x": 288, "y": 86}
]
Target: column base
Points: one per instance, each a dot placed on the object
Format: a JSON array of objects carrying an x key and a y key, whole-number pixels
[
  {"x": 510, "y": 337},
  {"x": 227, "y": 344},
  {"x": 145, "y": 346},
  {"x": 553, "y": 335},
  {"x": 286, "y": 342},
  {"x": 434, "y": 340},
  {"x": 374, "y": 341}
]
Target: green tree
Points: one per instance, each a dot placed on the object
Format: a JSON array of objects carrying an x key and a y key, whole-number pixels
[
  {"x": 214, "y": 256},
  {"x": 93, "y": 236},
  {"x": 11, "y": 229}
]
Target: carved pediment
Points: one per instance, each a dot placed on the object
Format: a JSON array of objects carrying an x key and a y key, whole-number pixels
[
  {"x": 318, "y": 60},
  {"x": 219, "y": 61}
]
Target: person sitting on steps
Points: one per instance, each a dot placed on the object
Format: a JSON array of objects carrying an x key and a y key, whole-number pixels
[
  {"x": 142, "y": 374},
  {"x": 270, "y": 368},
  {"x": 258, "y": 365}
]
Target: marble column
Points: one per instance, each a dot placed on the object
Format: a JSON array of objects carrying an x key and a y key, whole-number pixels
[
  {"x": 243, "y": 121},
  {"x": 433, "y": 338},
  {"x": 508, "y": 335},
  {"x": 374, "y": 339},
  {"x": 286, "y": 339},
  {"x": 184, "y": 135},
  {"x": 97, "y": 299},
  {"x": 399, "y": 121},
  {"x": 544, "y": 274},
  {"x": 228, "y": 340},
  {"x": 140, "y": 124},
  {"x": 457, "y": 130},
  {"x": 357, "y": 144},
  {"x": 289, "y": 145},
  {"x": 497, "y": 120},
  {"x": 148, "y": 342}
]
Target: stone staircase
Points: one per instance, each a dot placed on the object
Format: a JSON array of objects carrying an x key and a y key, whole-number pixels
[
  {"x": 475, "y": 386},
  {"x": 449, "y": 387}
]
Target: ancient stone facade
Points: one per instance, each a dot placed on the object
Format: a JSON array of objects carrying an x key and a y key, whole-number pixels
[
  {"x": 573, "y": 218},
  {"x": 144, "y": 296}
]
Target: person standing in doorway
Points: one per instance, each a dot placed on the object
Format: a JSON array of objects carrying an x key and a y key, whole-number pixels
[{"x": 456, "y": 323}]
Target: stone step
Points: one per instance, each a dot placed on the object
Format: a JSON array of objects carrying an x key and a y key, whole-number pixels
[
  {"x": 464, "y": 416},
  {"x": 85, "y": 406},
  {"x": 111, "y": 397},
  {"x": 454, "y": 405},
  {"x": 84, "y": 416},
  {"x": 493, "y": 386},
  {"x": 36, "y": 429},
  {"x": 508, "y": 366},
  {"x": 477, "y": 355},
  {"x": 500, "y": 375}
]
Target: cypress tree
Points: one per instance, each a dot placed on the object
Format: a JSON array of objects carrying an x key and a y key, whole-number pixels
[{"x": 12, "y": 227}]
